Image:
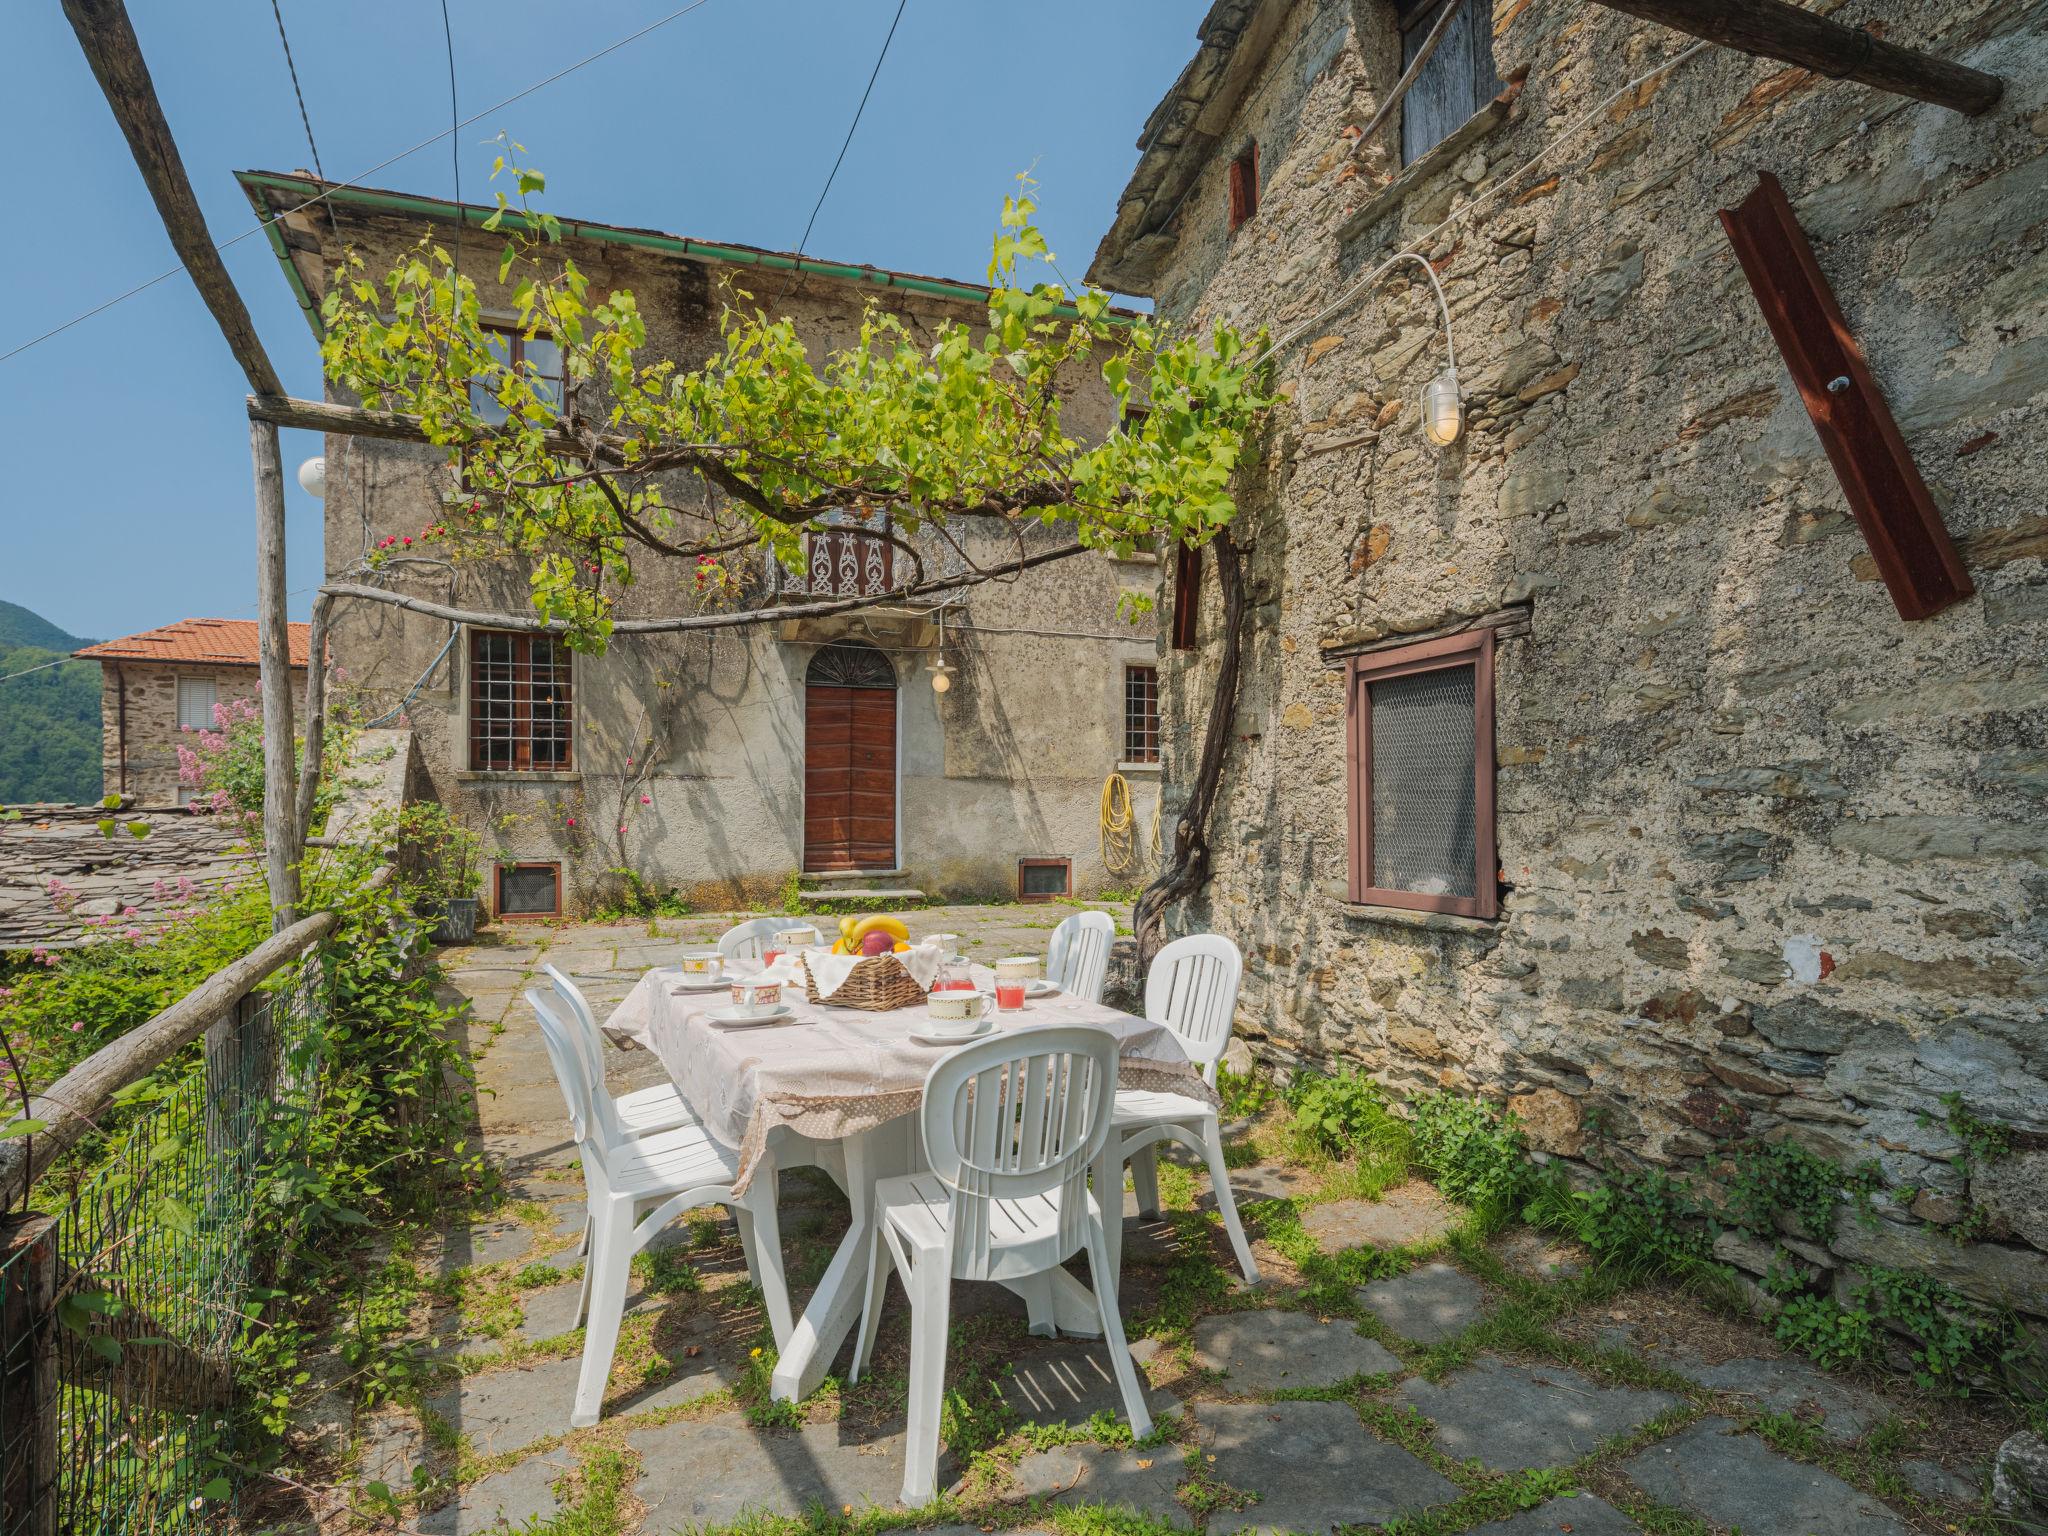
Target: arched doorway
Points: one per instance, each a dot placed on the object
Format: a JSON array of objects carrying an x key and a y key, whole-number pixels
[{"x": 849, "y": 759}]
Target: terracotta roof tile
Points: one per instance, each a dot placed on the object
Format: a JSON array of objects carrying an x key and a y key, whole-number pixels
[{"x": 219, "y": 642}]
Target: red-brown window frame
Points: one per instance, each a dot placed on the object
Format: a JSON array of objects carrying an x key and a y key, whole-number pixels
[
  {"x": 522, "y": 646},
  {"x": 1187, "y": 595},
  {"x": 1244, "y": 186},
  {"x": 1064, "y": 866},
  {"x": 498, "y": 890},
  {"x": 1474, "y": 648},
  {"x": 1132, "y": 670},
  {"x": 516, "y": 342}
]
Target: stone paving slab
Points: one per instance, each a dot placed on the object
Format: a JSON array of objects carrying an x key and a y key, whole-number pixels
[
  {"x": 1581, "y": 1515},
  {"x": 1428, "y": 1304},
  {"x": 500, "y": 1411},
  {"x": 1511, "y": 1418},
  {"x": 1140, "y": 1481},
  {"x": 1411, "y": 1214},
  {"x": 507, "y": 1500},
  {"x": 1737, "y": 1480},
  {"x": 688, "y": 1377},
  {"x": 392, "y": 1445},
  {"x": 752, "y": 1470},
  {"x": 498, "y": 1242},
  {"x": 1844, "y": 1412},
  {"x": 551, "y": 1312},
  {"x": 1267, "y": 1351},
  {"x": 1313, "y": 1466},
  {"x": 1066, "y": 1381}
]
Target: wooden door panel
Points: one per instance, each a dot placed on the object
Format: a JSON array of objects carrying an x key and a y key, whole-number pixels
[{"x": 849, "y": 777}]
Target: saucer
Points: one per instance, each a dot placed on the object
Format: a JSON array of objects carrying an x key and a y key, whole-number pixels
[
  {"x": 924, "y": 1037},
  {"x": 688, "y": 982},
  {"x": 731, "y": 1016},
  {"x": 1038, "y": 986}
]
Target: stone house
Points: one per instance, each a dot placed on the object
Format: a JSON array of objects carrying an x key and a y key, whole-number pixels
[
  {"x": 161, "y": 686},
  {"x": 719, "y": 765},
  {"x": 1586, "y": 763}
]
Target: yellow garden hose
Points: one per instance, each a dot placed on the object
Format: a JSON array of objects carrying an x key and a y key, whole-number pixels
[{"x": 1118, "y": 822}]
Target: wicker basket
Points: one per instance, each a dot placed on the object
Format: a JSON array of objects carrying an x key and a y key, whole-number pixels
[{"x": 876, "y": 984}]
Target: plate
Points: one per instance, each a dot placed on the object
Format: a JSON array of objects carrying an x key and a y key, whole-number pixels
[
  {"x": 730, "y": 1017},
  {"x": 921, "y": 1037},
  {"x": 1038, "y": 986}
]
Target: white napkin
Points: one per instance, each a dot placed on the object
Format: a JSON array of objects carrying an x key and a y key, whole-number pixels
[{"x": 830, "y": 971}]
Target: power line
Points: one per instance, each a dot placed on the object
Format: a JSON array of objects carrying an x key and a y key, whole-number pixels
[
  {"x": 328, "y": 192},
  {"x": 277, "y": 11},
  {"x": 454, "y": 123},
  {"x": 64, "y": 661},
  {"x": 850, "y": 127}
]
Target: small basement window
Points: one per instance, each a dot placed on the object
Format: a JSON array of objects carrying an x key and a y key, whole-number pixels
[
  {"x": 1044, "y": 879},
  {"x": 529, "y": 890},
  {"x": 1141, "y": 714},
  {"x": 1420, "y": 767},
  {"x": 1457, "y": 80},
  {"x": 1244, "y": 185}
]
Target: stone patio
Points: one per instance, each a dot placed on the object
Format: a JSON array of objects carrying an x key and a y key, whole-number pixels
[{"x": 1274, "y": 1416}]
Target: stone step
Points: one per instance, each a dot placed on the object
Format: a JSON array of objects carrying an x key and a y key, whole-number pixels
[
  {"x": 825, "y": 877},
  {"x": 902, "y": 895}
]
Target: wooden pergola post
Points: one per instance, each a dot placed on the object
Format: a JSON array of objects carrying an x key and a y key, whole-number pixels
[
  {"x": 28, "y": 1374},
  {"x": 108, "y": 39}
]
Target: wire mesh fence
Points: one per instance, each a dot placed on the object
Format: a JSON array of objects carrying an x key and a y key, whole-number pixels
[{"x": 123, "y": 1295}]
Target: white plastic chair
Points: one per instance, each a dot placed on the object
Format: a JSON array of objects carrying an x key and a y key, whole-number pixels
[
  {"x": 1077, "y": 961},
  {"x": 747, "y": 941},
  {"x": 659, "y": 1108},
  {"x": 1011, "y": 1128},
  {"x": 634, "y": 1188},
  {"x": 1192, "y": 990}
]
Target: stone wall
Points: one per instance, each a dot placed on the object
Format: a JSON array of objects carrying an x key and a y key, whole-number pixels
[
  {"x": 1010, "y": 763},
  {"x": 152, "y": 735},
  {"x": 1775, "y": 859}
]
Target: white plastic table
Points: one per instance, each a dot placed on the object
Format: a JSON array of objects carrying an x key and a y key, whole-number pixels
[{"x": 838, "y": 1089}]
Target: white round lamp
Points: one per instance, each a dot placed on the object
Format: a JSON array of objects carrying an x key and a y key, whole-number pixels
[{"x": 313, "y": 477}]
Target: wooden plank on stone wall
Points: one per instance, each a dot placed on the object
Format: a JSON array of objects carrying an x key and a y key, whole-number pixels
[{"x": 1899, "y": 520}]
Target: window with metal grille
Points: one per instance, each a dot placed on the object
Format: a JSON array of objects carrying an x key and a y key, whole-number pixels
[
  {"x": 540, "y": 355},
  {"x": 1141, "y": 714},
  {"x": 1044, "y": 879},
  {"x": 529, "y": 890},
  {"x": 1457, "y": 79},
  {"x": 519, "y": 698},
  {"x": 1420, "y": 764},
  {"x": 1244, "y": 185}
]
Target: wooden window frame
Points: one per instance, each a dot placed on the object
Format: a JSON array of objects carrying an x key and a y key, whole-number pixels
[
  {"x": 566, "y": 763},
  {"x": 1187, "y": 595},
  {"x": 1151, "y": 756},
  {"x": 1064, "y": 865},
  {"x": 1474, "y": 648},
  {"x": 498, "y": 889},
  {"x": 1243, "y": 182},
  {"x": 515, "y": 353},
  {"x": 1416, "y": 18}
]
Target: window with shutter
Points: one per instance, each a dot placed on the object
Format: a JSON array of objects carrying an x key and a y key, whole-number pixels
[
  {"x": 1187, "y": 596},
  {"x": 1456, "y": 81},
  {"x": 196, "y": 698},
  {"x": 1244, "y": 185},
  {"x": 1420, "y": 765}
]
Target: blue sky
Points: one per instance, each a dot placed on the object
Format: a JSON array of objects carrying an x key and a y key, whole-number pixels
[{"x": 127, "y": 499}]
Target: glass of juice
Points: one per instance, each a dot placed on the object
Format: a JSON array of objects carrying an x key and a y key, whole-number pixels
[
  {"x": 1010, "y": 995},
  {"x": 770, "y": 956}
]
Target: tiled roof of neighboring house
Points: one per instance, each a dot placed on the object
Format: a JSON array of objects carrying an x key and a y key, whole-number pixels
[{"x": 212, "y": 642}]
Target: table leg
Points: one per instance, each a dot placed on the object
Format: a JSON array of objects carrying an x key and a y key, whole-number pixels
[
  {"x": 835, "y": 1306},
  {"x": 1054, "y": 1301}
]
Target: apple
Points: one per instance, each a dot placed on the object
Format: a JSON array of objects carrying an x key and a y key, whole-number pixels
[{"x": 877, "y": 943}]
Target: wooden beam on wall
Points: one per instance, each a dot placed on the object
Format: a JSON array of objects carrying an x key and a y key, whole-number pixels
[
  {"x": 1899, "y": 520},
  {"x": 1776, "y": 29},
  {"x": 108, "y": 38}
]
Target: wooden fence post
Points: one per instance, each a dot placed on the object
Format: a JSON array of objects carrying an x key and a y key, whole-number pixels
[{"x": 28, "y": 1375}]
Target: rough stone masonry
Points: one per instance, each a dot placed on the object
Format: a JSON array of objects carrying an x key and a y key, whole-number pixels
[{"x": 1774, "y": 860}]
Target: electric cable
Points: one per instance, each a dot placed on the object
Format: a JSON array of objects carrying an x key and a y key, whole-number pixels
[
  {"x": 873, "y": 75},
  {"x": 277, "y": 11}
]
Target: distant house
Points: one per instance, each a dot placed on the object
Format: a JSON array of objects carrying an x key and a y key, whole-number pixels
[{"x": 163, "y": 683}]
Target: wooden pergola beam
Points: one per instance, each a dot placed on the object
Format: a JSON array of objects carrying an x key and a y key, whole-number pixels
[
  {"x": 1777, "y": 29},
  {"x": 108, "y": 39}
]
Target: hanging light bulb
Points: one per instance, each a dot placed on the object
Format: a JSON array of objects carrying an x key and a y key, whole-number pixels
[
  {"x": 313, "y": 477},
  {"x": 942, "y": 676},
  {"x": 1443, "y": 409}
]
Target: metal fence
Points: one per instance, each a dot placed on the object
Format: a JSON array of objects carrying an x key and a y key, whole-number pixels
[{"x": 123, "y": 1295}]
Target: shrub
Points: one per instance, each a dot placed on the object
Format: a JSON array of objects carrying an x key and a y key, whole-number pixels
[
  {"x": 1833, "y": 1335},
  {"x": 1643, "y": 1222},
  {"x": 1347, "y": 1115},
  {"x": 1773, "y": 1178},
  {"x": 1477, "y": 1155}
]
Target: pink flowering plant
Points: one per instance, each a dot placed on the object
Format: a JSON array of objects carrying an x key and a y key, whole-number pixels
[{"x": 224, "y": 766}]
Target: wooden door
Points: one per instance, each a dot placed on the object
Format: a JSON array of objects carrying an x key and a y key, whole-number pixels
[{"x": 850, "y": 760}]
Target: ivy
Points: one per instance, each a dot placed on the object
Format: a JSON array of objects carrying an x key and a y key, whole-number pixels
[
  {"x": 1831, "y": 1334},
  {"x": 1782, "y": 1177},
  {"x": 1982, "y": 1142}
]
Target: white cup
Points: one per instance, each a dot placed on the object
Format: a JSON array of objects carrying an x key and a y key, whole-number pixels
[
  {"x": 1017, "y": 968},
  {"x": 703, "y": 962},
  {"x": 955, "y": 1013},
  {"x": 756, "y": 999}
]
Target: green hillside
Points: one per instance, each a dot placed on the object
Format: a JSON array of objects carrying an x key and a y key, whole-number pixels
[{"x": 49, "y": 722}]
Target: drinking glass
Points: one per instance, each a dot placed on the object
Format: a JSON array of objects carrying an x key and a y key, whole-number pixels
[{"x": 1010, "y": 995}]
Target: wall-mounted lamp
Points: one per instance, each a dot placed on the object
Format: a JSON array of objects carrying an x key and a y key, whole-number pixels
[
  {"x": 1443, "y": 409},
  {"x": 313, "y": 478},
  {"x": 942, "y": 675}
]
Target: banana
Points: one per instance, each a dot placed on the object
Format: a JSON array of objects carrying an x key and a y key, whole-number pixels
[{"x": 893, "y": 926}]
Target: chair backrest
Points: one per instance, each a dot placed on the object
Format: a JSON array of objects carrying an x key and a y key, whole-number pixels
[
  {"x": 746, "y": 941},
  {"x": 1192, "y": 990},
  {"x": 592, "y": 1120},
  {"x": 1023, "y": 1113},
  {"x": 588, "y": 1038},
  {"x": 1078, "y": 959}
]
